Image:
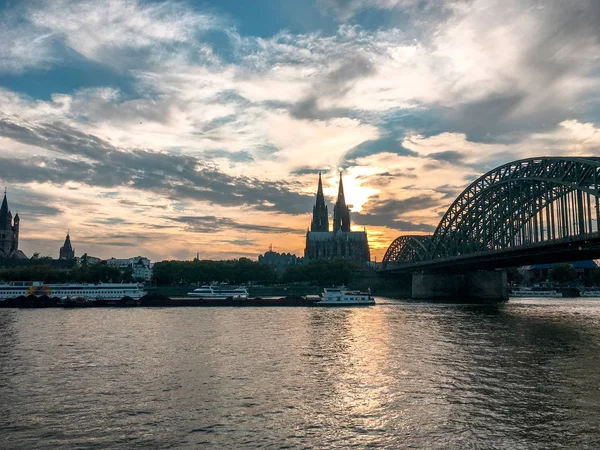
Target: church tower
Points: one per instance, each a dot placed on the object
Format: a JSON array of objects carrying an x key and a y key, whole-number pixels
[
  {"x": 320, "y": 220},
  {"x": 341, "y": 212},
  {"x": 9, "y": 233},
  {"x": 67, "y": 251}
]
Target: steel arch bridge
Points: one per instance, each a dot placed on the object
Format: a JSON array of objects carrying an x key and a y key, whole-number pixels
[{"x": 519, "y": 211}]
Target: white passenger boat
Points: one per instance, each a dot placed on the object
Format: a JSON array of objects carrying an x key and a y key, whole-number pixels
[
  {"x": 344, "y": 297},
  {"x": 99, "y": 291},
  {"x": 219, "y": 292},
  {"x": 537, "y": 293},
  {"x": 590, "y": 293}
]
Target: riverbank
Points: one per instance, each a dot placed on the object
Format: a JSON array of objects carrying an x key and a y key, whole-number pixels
[{"x": 156, "y": 300}]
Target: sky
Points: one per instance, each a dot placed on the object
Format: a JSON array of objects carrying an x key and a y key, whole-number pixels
[{"x": 166, "y": 128}]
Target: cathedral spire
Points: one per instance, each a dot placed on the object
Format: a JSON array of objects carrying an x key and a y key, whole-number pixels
[
  {"x": 341, "y": 212},
  {"x": 320, "y": 220},
  {"x": 320, "y": 196},
  {"x": 341, "y": 199}
]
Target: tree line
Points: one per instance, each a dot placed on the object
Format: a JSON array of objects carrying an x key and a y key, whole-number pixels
[
  {"x": 241, "y": 271},
  {"x": 244, "y": 271},
  {"x": 49, "y": 273}
]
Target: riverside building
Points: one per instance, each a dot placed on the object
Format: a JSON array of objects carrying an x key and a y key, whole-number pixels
[{"x": 9, "y": 233}]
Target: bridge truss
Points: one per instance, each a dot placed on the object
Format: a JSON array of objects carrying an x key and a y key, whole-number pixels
[{"x": 527, "y": 202}]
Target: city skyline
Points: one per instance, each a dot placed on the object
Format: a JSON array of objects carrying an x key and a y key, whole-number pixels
[{"x": 165, "y": 128}]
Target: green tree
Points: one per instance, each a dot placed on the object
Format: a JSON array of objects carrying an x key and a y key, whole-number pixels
[
  {"x": 562, "y": 273},
  {"x": 320, "y": 273},
  {"x": 236, "y": 271}
]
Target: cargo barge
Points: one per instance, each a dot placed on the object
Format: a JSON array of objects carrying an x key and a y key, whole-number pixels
[{"x": 153, "y": 300}]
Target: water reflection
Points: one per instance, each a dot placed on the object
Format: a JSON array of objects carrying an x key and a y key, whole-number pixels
[{"x": 523, "y": 375}]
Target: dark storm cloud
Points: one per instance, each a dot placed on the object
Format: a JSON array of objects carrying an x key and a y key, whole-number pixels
[
  {"x": 175, "y": 176},
  {"x": 212, "y": 224}
]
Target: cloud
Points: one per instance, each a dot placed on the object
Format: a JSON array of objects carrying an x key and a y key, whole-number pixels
[
  {"x": 238, "y": 157},
  {"x": 450, "y": 156},
  {"x": 388, "y": 212},
  {"x": 517, "y": 65},
  {"x": 395, "y": 224},
  {"x": 345, "y": 9},
  {"x": 307, "y": 170},
  {"x": 385, "y": 144},
  {"x": 121, "y": 33},
  {"x": 393, "y": 207},
  {"x": 171, "y": 175},
  {"x": 414, "y": 99},
  {"x": 335, "y": 83},
  {"x": 112, "y": 27},
  {"x": 24, "y": 46},
  {"x": 212, "y": 224},
  {"x": 33, "y": 207}
]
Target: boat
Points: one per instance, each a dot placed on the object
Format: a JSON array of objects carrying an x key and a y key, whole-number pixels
[
  {"x": 341, "y": 296},
  {"x": 98, "y": 291},
  {"x": 590, "y": 293},
  {"x": 537, "y": 293},
  {"x": 219, "y": 292}
]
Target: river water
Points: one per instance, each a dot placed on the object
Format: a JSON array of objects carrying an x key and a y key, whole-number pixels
[{"x": 397, "y": 375}]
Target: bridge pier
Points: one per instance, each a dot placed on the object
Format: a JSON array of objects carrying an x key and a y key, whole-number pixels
[{"x": 475, "y": 286}]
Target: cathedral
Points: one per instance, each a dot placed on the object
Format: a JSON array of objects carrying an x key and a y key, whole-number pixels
[
  {"x": 9, "y": 232},
  {"x": 341, "y": 243}
]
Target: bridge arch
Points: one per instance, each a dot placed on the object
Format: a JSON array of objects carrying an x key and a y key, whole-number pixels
[
  {"x": 410, "y": 248},
  {"x": 523, "y": 202}
]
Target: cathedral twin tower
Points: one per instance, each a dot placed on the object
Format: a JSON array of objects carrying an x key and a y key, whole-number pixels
[
  {"x": 341, "y": 243},
  {"x": 341, "y": 212}
]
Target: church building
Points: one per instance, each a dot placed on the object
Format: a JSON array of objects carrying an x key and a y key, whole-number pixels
[
  {"x": 341, "y": 243},
  {"x": 9, "y": 233},
  {"x": 67, "y": 251}
]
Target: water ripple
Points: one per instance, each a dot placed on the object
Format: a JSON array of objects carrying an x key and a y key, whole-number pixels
[{"x": 398, "y": 375}]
